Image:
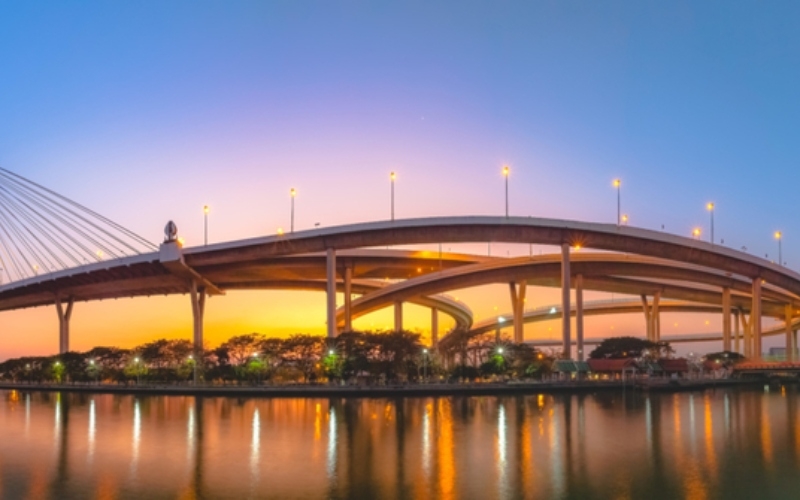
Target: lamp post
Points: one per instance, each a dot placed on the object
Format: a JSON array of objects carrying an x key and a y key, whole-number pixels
[
  {"x": 710, "y": 208},
  {"x": 506, "y": 171},
  {"x": 205, "y": 224},
  {"x": 392, "y": 177},
  {"x": 779, "y": 237},
  {"x": 696, "y": 233},
  {"x": 425, "y": 365},
  {"x": 293, "y": 193},
  {"x": 624, "y": 219},
  {"x": 194, "y": 369},
  {"x": 138, "y": 371},
  {"x": 618, "y": 185}
]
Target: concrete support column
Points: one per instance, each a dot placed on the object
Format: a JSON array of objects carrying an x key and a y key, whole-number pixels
[
  {"x": 647, "y": 322},
  {"x": 789, "y": 333},
  {"x": 198, "y": 296},
  {"x": 331, "y": 292},
  {"x": 434, "y": 327},
  {"x": 747, "y": 343},
  {"x": 755, "y": 318},
  {"x": 518, "y": 308},
  {"x": 726, "y": 319},
  {"x": 398, "y": 316},
  {"x": 348, "y": 292},
  {"x": 655, "y": 318},
  {"x": 579, "y": 316},
  {"x": 565, "y": 306},
  {"x": 736, "y": 333},
  {"x": 64, "y": 315}
]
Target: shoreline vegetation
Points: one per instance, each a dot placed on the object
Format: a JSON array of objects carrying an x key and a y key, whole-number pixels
[
  {"x": 390, "y": 391},
  {"x": 357, "y": 363}
]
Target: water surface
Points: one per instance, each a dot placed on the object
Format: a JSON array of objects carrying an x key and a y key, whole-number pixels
[{"x": 722, "y": 444}]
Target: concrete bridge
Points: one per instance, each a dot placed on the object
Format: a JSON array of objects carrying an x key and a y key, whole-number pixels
[{"x": 650, "y": 264}]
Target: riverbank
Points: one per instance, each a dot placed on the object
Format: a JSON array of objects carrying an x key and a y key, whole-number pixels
[{"x": 409, "y": 390}]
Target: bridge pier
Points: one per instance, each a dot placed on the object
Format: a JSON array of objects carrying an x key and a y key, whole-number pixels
[
  {"x": 747, "y": 344},
  {"x": 434, "y": 327},
  {"x": 565, "y": 306},
  {"x": 736, "y": 333},
  {"x": 790, "y": 347},
  {"x": 331, "y": 291},
  {"x": 755, "y": 317},
  {"x": 198, "y": 296},
  {"x": 64, "y": 315},
  {"x": 726, "y": 319},
  {"x": 348, "y": 299},
  {"x": 579, "y": 316},
  {"x": 652, "y": 317},
  {"x": 518, "y": 307},
  {"x": 398, "y": 316}
]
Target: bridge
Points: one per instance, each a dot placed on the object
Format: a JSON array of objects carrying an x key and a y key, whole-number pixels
[{"x": 656, "y": 266}]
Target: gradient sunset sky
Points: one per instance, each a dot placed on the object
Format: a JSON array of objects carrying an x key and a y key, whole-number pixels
[{"x": 146, "y": 111}]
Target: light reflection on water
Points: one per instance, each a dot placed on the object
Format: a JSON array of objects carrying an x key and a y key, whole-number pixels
[{"x": 723, "y": 444}]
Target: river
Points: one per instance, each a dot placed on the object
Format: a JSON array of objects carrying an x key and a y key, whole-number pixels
[{"x": 733, "y": 443}]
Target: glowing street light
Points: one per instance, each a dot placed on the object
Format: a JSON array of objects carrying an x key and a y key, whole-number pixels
[
  {"x": 625, "y": 219},
  {"x": 779, "y": 237},
  {"x": 205, "y": 224},
  {"x": 392, "y": 177},
  {"x": 293, "y": 194},
  {"x": 696, "y": 232},
  {"x": 424, "y": 364},
  {"x": 710, "y": 208},
  {"x": 618, "y": 185},
  {"x": 506, "y": 171}
]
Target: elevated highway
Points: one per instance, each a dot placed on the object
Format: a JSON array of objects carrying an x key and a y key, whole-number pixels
[{"x": 699, "y": 271}]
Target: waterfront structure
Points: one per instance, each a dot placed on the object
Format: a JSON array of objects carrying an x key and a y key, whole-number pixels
[
  {"x": 50, "y": 240},
  {"x": 742, "y": 286}
]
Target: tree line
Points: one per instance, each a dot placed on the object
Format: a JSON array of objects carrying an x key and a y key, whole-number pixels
[{"x": 352, "y": 357}]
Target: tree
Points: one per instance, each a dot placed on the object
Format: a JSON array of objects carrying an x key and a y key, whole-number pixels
[
  {"x": 302, "y": 352},
  {"x": 242, "y": 347},
  {"x": 631, "y": 347}
]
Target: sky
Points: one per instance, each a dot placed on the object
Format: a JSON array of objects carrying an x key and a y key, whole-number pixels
[{"x": 147, "y": 111}]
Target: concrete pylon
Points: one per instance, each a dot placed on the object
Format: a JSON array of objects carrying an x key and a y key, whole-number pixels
[
  {"x": 64, "y": 315},
  {"x": 579, "y": 316},
  {"x": 330, "y": 288},
  {"x": 434, "y": 327},
  {"x": 348, "y": 298},
  {"x": 755, "y": 318},
  {"x": 565, "y": 305},
  {"x": 726, "y": 319},
  {"x": 518, "y": 308},
  {"x": 790, "y": 347},
  {"x": 398, "y": 316},
  {"x": 198, "y": 296}
]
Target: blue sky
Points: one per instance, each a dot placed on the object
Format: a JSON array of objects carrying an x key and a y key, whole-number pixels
[{"x": 146, "y": 111}]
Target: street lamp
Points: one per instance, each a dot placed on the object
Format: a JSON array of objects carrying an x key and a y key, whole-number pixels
[
  {"x": 293, "y": 193},
  {"x": 205, "y": 224},
  {"x": 696, "y": 232},
  {"x": 710, "y": 208},
  {"x": 506, "y": 171},
  {"x": 625, "y": 219},
  {"x": 392, "y": 176},
  {"x": 138, "y": 371},
  {"x": 618, "y": 185},
  {"x": 779, "y": 237},
  {"x": 424, "y": 365},
  {"x": 194, "y": 369}
]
